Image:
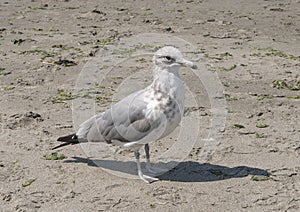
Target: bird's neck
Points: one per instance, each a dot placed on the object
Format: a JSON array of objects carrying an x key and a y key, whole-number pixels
[
  {"x": 166, "y": 80},
  {"x": 159, "y": 71}
]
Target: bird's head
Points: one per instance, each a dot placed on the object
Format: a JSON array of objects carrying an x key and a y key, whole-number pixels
[{"x": 170, "y": 57}]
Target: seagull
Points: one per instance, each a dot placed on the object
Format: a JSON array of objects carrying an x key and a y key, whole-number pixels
[{"x": 142, "y": 117}]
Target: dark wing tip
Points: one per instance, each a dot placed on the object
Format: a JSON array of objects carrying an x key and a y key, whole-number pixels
[{"x": 68, "y": 140}]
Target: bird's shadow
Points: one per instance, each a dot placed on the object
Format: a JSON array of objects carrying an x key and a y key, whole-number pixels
[{"x": 187, "y": 171}]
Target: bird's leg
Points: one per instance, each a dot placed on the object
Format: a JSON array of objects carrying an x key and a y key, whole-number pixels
[
  {"x": 148, "y": 164},
  {"x": 145, "y": 178}
]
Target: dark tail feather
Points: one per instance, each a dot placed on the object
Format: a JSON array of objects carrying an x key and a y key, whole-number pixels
[{"x": 68, "y": 140}]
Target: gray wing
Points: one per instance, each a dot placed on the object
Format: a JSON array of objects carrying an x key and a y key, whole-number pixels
[{"x": 124, "y": 121}]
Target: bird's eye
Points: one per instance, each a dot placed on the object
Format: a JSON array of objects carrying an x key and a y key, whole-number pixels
[{"x": 168, "y": 58}]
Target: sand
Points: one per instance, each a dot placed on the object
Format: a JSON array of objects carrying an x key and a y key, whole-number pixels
[{"x": 253, "y": 47}]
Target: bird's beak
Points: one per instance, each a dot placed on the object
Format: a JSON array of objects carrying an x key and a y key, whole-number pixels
[{"x": 187, "y": 63}]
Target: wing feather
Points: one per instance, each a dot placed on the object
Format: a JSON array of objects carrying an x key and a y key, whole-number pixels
[{"x": 125, "y": 121}]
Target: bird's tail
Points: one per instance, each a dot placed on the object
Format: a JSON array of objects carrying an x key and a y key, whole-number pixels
[{"x": 68, "y": 140}]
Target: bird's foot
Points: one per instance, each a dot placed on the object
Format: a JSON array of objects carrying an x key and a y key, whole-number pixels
[{"x": 148, "y": 179}]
